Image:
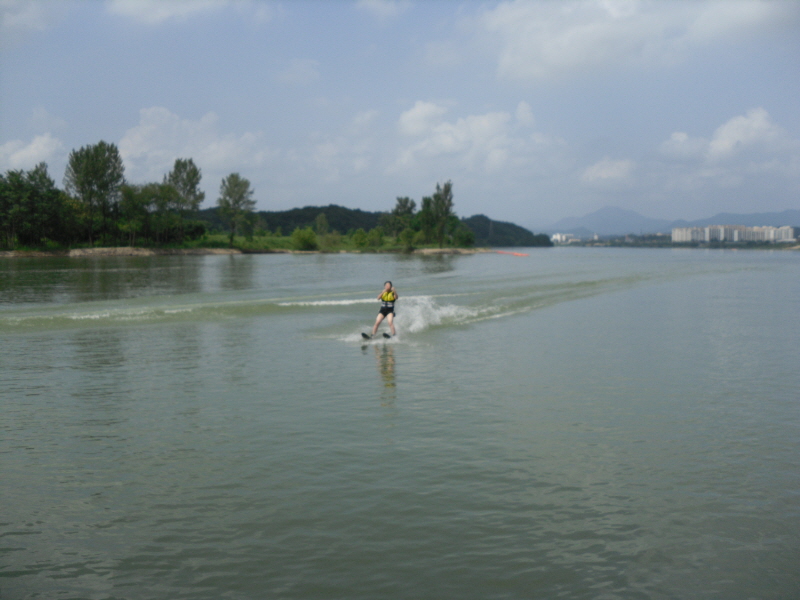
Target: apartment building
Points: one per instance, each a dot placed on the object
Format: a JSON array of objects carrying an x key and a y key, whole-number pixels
[{"x": 734, "y": 233}]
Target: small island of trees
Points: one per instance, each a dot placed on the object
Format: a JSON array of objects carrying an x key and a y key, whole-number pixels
[{"x": 98, "y": 207}]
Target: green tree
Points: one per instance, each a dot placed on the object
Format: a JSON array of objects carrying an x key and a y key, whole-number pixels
[
  {"x": 425, "y": 222},
  {"x": 404, "y": 208},
  {"x": 95, "y": 175},
  {"x": 247, "y": 225},
  {"x": 390, "y": 224},
  {"x": 400, "y": 217},
  {"x": 185, "y": 177},
  {"x": 359, "y": 238},
  {"x": 304, "y": 239},
  {"x": 406, "y": 238},
  {"x": 330, "y": 241},
  {"x": 463, "y": 236},
  {"x": 375, "y": 237},
  {"x": 235, "y": 201},
  {"x": 166, "y": 222},
  {"x": 134, "y": 208},
  {"x": 321, "y": 225},
  {"x": 31, "y": 207},
  {"x": 442, "y": 211}
]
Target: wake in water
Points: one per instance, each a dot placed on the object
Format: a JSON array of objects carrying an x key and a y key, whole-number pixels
[
  {"x": 415, "y": 314},
  {"x": 418, "y": 313}
]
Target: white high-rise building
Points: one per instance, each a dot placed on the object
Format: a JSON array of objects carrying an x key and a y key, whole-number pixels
[{"x": 734, "y": 233}]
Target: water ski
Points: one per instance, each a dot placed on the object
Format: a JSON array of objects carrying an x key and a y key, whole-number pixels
[{"x": 368, "y": 337}]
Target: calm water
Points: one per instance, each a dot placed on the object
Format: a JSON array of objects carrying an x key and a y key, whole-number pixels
[{"x": 578, "y": 424}]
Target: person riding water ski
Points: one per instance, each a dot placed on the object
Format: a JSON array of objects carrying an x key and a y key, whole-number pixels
[{"x": 387, "y": 297}]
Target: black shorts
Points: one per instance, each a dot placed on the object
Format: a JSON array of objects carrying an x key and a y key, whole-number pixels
[{"x": 387, "y": 310}]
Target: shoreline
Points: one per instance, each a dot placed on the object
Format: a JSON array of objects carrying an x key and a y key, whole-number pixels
[{"x": 134, "y": 251}]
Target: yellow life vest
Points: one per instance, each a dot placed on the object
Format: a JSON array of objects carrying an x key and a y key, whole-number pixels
[{"x": 387, "y": 300}]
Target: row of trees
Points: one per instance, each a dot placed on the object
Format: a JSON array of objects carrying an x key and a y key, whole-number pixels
[
  {"x": 97, "y": 205},
  {"x": 435, "y": 222}
]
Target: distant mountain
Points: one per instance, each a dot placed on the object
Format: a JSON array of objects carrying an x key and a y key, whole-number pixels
[
  {"x": 499, "y": 233},
  {"x": 611, "y": 220}
]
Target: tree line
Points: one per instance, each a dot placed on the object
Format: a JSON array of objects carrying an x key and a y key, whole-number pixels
[
  {"x": 98, "y": 206},
  {"x": 436, "y": 223}
]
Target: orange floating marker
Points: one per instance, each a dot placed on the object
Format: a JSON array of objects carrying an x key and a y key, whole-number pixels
[{"x": 511, "y": 253}]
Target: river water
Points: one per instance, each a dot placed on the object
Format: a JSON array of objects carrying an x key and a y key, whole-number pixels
[{"x": 577, "y": 423}]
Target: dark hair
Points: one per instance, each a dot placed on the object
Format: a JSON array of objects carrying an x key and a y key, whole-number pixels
[{"x": 389, "y": 282}]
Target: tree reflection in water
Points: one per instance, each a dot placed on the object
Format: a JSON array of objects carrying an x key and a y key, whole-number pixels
[{"x": 384, "y": 353}]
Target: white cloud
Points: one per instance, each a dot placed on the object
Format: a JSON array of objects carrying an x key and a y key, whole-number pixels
[
  {"x": 742, "y": 151},
  {"x": 420, "y": 119},
  {"x": 150, "y": 149},
  {"x": 751, "y": 137},
  {"x": 608, "y": 170},
  {"x": 300, "y": 71},
  {"x": 16, "y": 154},
  {"x": 488, "y": 143},
  {"x": 155, "y": 12},
  {"x": 383, "y": 9},
  {"x": 475, "y": 138},
  {"x": 542, "y": 39},
  {"x": 752, "y": 130},
  {"x": 19, "y": 18},
  {"x": 682, "y": 147}
]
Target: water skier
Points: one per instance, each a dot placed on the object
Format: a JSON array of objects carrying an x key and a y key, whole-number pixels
[{"x": 387, "y": 297}]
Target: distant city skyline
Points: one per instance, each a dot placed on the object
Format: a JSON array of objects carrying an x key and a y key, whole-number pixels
[
  {"x": 734, "y": 233},
  {"x": 536, "y": 110}
]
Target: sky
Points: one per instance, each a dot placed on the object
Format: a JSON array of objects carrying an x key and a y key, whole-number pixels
[{"x": 535, "y": 110}]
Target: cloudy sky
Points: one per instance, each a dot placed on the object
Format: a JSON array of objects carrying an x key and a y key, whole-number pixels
[{"x": 536, "y": 110}]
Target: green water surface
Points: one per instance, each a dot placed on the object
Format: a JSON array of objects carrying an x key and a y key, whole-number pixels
[{"x": 578, "y": 423}]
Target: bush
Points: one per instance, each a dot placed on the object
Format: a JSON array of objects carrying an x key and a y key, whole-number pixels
[
  {"x": 194, "y": 230},
  {"x": 304, "y": 239},
  {"x": 375, "y": 237},
  {"x": 464, "y": 237},
  {"x": 330, "y": 241},
  {"x": 359, "y": 238},
  {"x": 406, "y": 238}
]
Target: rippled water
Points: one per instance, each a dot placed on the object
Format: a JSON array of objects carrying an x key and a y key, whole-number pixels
[{"x": 577, "y": 423}]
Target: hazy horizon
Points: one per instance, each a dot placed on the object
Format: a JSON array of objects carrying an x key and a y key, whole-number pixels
[{"x": 536, "y": 111}]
